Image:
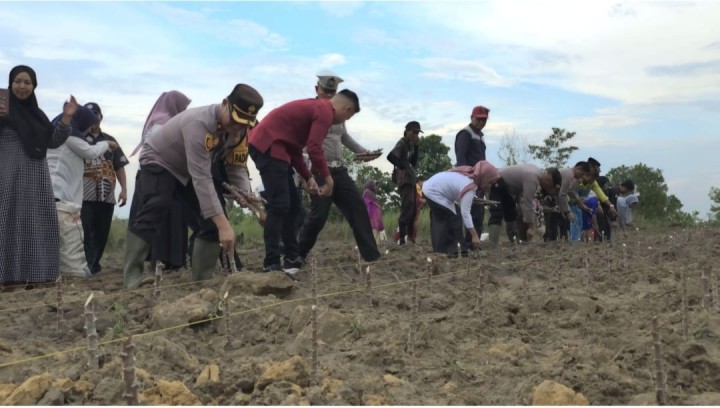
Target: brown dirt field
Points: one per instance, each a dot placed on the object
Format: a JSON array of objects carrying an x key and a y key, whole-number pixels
[{"x": 541, "y": 316}]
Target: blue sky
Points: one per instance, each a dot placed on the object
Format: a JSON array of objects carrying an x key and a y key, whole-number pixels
[{"x": 638, "y": 81}]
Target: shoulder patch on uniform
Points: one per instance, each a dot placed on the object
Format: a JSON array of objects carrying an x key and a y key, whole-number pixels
[{"x": 211, "y": 141}]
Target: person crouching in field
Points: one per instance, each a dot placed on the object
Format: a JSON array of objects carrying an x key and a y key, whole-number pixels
[
  {"x": 177, "y": 162},
  {"x": 519, "y": 184},
  {"x": 448, "y": 188}
]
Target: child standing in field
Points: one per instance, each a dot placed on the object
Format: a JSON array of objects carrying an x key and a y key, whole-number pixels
[
  {"x": 374, "y": 210},
  {"x": 625, "y": 201}
]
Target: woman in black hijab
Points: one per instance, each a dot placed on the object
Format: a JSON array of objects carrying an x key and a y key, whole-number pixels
[{"x": 28, "y": 219}]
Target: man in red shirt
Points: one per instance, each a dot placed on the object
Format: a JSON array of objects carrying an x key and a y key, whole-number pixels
[{"x": 276, "y": 146}]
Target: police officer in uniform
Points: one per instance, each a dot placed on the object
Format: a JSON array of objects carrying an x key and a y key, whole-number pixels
[{"x": 178, "y": 159}]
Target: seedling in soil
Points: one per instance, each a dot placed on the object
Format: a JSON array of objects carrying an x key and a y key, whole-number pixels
[{"x": 120, "y": 325}]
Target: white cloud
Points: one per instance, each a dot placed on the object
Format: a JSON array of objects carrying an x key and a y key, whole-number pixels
[
  {"x": 331, "y": 60},
  {"x": 341, "y": 8},
  {"x": 596, "y": 47},
  {"x": 463, "y": 70}
]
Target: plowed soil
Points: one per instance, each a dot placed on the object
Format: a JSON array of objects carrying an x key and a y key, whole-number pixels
[{"x": 487, "y": 330}]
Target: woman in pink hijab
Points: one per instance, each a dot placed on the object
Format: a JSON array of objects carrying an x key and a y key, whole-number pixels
[
  {"x": 444, "y": 193},
  {"x": 171, "y": 246},
  {"x": 374, "y": 210},
  {"x": 168, "y": 105}
]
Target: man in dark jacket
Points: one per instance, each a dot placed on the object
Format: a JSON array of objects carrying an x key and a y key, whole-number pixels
[
  {"x": 470, "y": 149},
  {"x": 404, "y": 157}
]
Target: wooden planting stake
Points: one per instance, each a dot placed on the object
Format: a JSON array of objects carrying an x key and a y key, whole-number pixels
[
  {"x": 127, "y": 357},
  {"x": 414, "y": 306},
  {"x": 368, "y": 287},
  {"x": 92, "y": 336},
  {"x": 557, "y": 278},
  {"x": 660, "y": 392},
  {"x": 480, "y": 286},
  {"x": 714, "y": 289},
  {"x": 607, "y": 255},
  {"x": 59, "y": 299},
  {"x": 226, "y": 316},
  {"x": 625, "y": 260},
  {"x": 359, "y": 260},
  {"x": 685, "y": 308},
  {"x": 314, "y": 367},
  {"x": 429, "y": 269},
  {"x": 158, "y": 277},
  {"x": 711, "y": 298},
  {"x": 231, "y": 262},
  {"x": 586, "y": 269},
  {"x": 705, "y": 285}
]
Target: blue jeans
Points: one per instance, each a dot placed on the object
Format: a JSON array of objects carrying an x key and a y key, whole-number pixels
[{"x": 576, "y": 224}]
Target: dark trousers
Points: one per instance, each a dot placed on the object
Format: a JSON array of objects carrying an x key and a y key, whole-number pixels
[
  {"x": 218, "y": 178},
  {"x": 446, "y": 229},
  {"x": 604, "y": 223},
  {"x": 507, "y": 209},
  {"x": 348, "y": 200},
  {"x": 96, "y": 220},
  {"x": 556, "y": 226},
  {"x": 283, "y": 204},
  {"x": 477, "y": 212},
  {"x": 408, "y": 209},
  {"x": 153, "y": 198}
]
